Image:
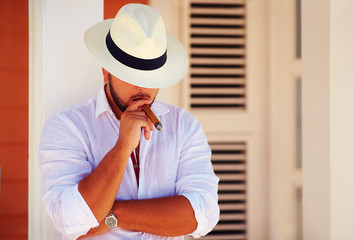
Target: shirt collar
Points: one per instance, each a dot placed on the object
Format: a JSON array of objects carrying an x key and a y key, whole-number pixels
[
  {"x": 159, "y": 108},
  {"x": 103, "y": 105}
]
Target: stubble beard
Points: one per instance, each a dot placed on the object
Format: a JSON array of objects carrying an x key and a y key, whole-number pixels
[{"x": 122, "y": 105}]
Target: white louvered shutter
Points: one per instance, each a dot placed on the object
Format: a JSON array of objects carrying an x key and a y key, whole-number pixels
[
  {"x": 217, "y": 84},
  {"x": 217, "y": 54},
  {"x": 229, "y": 163}
]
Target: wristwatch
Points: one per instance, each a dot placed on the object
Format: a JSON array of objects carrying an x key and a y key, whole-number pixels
[{"x": 111, "y": 221}]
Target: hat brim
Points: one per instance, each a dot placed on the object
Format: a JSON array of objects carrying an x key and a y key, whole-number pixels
[{"x": 169, "y": 74}]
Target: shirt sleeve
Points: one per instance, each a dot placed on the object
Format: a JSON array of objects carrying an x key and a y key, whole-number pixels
[
  {"x": 63, "y": 162},
  {"x": 197, "y": 180}
]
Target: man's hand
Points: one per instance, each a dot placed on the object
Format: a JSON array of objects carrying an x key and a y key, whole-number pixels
[{"x": 131, "y": 123}]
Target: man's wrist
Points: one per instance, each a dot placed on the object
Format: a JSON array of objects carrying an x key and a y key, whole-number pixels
[
  {"x": 120, "y": 151},
  {"x": 123, "y": 149}
]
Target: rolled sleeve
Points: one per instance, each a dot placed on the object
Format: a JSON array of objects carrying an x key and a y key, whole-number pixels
[
  {"x": 197, "y": 180},
  {"x": 76, "y": 214},
  {"x": 206, "y": 211},
  {"x": 64, "y": 163}
]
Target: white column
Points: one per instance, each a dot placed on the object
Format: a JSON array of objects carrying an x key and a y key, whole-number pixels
[
  {"x": 341, "y": 117},
  {"x": 61, "y": 73},
  {"x": 327, "y": 119},
  {"x": 71, "y": 75}
]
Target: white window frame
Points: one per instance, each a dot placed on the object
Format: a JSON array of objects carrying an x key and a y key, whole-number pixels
[{"x": 285, "y": 69}]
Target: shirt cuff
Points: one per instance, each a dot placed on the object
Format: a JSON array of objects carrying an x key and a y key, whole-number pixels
[
  {"x": 77, "y": 217},
  {"x": 197, "y": 207}
]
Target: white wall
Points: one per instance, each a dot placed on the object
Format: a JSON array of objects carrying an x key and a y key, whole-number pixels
[
  {"x": 341, "y": 117},
  {"x": 328, "y": 119},
  {"x": 70, "y": 74},
  {"x": 62, "y": 73}
]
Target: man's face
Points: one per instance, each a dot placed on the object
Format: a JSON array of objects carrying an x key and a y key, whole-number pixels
[{"x": 124, "y": 93}]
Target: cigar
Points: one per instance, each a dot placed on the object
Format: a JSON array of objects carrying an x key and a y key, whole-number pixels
[{"x": 151, "y": 116}]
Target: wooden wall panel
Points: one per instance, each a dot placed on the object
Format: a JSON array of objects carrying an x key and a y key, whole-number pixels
[
  {"x": 14, "y": 119},
  {"x": 111, "y": 7}
]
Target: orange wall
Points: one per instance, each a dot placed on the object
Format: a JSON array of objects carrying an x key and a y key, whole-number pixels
[
  {"x": 111, "y": 7},
  {"x": 14, "y": 119}
]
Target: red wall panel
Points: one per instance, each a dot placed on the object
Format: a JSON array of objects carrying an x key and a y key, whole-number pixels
[
  {"x": 14, "y": 119},
  {"x": 111, "y": 7}
]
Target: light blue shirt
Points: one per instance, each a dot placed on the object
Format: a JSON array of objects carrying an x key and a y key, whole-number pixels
[{"x": 175, "y": 161}]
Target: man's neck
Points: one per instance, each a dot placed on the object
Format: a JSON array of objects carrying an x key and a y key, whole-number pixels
[{"x": 112, "y": 104}]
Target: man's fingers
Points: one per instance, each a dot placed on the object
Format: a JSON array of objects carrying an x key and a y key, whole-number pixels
[
  {"x": 140, "y": 118},
  {"x": 148, "y": 127},
  {"x": 147, "y": 135},
  {"x": 136, "y": 118}
]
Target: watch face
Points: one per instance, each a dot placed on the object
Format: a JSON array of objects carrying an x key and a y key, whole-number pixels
[{"x": 111, "y": 221}]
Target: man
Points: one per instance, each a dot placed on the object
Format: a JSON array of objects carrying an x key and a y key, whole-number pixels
[{"x": 107, "y": 172}]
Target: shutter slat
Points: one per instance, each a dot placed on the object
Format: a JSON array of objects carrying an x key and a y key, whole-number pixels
[
  {"x": 229, "y": 157},
  {"x": 230, "y": 227},
  {"x": 215, "y": 11},
  {"x": 217, "y": 91},
  {"x": 225, "y": 52},
  {"x": 218, "y": 61},
  {"x": 231, "y": 187},
  {"x": 229, "y": 147},
  {"x": 218, "y": 101},
  {"x": 219, "y": 21},
  {"x": 228, "y": 167},
  {"x": 208, "y": 51},
  {"x": 218, "y": 81},
  {"x": 222, "y": 71},
  {"x": 219, "y": 1},
  {"x": 224, "y": 207},
  {"x": 231, "y": 197},
  {"x": 218, "y": 31},
  {"x": 232, "y": 217},
  {"x": 229, "y": 177}
]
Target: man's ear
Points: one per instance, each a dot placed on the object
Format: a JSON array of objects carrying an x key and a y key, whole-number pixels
[{"x": 105, "y": 75}]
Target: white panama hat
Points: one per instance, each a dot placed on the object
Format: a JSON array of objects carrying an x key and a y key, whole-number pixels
[{"x": 135, "y": 47}]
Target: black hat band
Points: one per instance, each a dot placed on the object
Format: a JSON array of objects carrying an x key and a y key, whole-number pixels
[{"x": 131, "y": 61}]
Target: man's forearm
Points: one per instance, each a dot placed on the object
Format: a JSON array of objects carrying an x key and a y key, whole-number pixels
[
  {"x": 101, "y": 186},
  {"x": 168, "y": 216}
]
